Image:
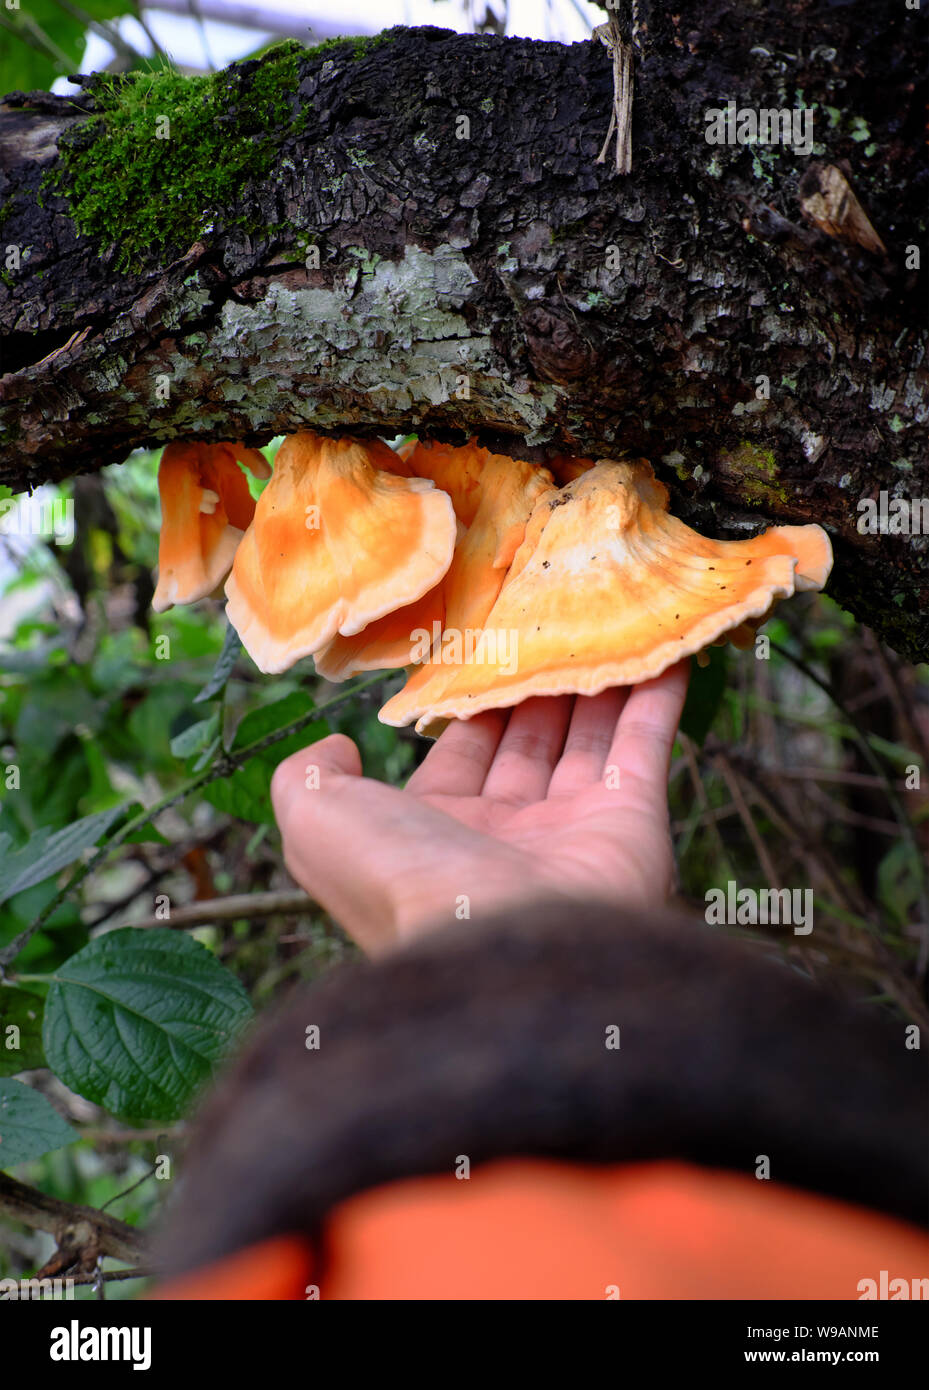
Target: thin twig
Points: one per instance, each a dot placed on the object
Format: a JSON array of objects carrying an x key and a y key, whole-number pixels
[
  {"x": 83, "y": 1225},
  {"x": 112, "y": 1276},
  {"x": 273, "y": 904},
  {"x": 900, "y": 814},
  {"x": 118, "y": 1196}
]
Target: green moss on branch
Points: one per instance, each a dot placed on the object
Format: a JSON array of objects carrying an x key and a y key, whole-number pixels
[{"x": 163, "y": 152}]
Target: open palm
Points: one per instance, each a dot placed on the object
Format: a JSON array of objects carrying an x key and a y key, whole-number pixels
[{"x": 561, "y": 795}]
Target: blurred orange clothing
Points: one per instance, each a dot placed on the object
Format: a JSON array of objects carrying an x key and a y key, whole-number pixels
[{"x": 539, "y": 1229}]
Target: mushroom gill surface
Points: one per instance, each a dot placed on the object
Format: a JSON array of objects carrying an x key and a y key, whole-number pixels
[{"x": 607, "y": 588}]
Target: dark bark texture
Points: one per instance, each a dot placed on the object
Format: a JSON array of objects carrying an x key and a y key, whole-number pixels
[{"x": 487, "y": 276}]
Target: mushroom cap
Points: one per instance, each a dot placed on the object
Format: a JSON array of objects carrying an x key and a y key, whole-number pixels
[
  {"x": 341, "y": 535},
  {"x": 493, "y": 496},
  {"x": 566, "y": 468},
  {"x": 608, "y": 589},
  {"x": 206, "y": 507}
]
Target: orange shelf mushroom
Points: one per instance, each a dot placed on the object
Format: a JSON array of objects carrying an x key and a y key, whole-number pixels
[
  {"x": 206, "y": 508},
  {"x": 343, "y": 534},
  {"x": 493, "y": 497},
  {"x": 608, "y": 589}
]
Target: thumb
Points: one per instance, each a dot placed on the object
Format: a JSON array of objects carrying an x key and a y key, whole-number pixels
[{"x": 314, "y": 768}]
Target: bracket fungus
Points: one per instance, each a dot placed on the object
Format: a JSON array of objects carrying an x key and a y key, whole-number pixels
[
  {"x": 342, "y": 535},
  {"x": 493, "y": 497},
  {"x": 608, "y": 588},
  {"x": 206, "y": 507},
  {"x": 490, "y": 579}
]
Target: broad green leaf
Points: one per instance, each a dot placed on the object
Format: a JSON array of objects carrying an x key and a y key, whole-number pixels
[
  {"x": 150, "y": 721},
  {"x": 28, "y": 661},
  {"x": 45, "y": 853},
  {"x": 246, "y": 793},
  {"x": 223, "y": 668},
  {"x": 195, "y": 737},
  {"x": 704, "y": 695},
  {"x": 29, "y": 1125},
  {"x": 50, "y": 41},
  {"x": 20, "y": 1031},
  {"x": 137, "y": 1020},
  {"x": 267, "y": 718}
]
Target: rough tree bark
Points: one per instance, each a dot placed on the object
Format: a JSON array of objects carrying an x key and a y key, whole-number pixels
[{"x": 488, "y": 276}]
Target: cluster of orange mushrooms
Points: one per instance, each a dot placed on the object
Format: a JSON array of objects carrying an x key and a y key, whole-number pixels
[{"x": 490, "y": 579}]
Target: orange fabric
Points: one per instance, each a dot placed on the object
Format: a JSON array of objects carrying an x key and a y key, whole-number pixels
[
  {"x": 280, "y": 1268},
  {"x": 531, "y": 1229}
]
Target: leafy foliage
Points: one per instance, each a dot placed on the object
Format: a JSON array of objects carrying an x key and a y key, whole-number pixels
[
  {"x": 29, "y": 1125},
  {"x": 137, "y": 1020},
  {"x": 106, "y": 708},
  {"x": 45, "y": 40}
]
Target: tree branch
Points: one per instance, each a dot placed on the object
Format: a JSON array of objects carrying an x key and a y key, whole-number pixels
[
  {"x": 273, "y": 904},
  {"x": 82, "y": 1234},
  {"x": 433, "y": 247}
]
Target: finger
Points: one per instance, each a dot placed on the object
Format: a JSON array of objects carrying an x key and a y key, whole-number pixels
[
  {"x": 590, "y": 737},
  {"x": 531, "y": 744},
  {"x": 641, "y": 748},
  {"x": 459, "y": 760},
  {"x": 345, "y": 840}
]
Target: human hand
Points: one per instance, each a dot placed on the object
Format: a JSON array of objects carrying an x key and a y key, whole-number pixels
[{"x": 564, "y": 795}]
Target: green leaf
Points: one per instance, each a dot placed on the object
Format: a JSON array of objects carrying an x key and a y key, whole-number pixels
[
  {"x": 31, "y": 66},
  {"x": 21, "y": 1049},
  {"x": 50, "y": 42},
  {"x": 207, "y": 755},
  {"x": 29, "y": 1125},
  {"x": 137, "y": 1020},
  {"x": 45, "y": 854},
  {"x": 223, "y": 668},
  {"x": 146, "y": 834},
  {"x": 195, "y": 737},
  {"x": 899, "y": 882},
  {"x": 704, "y": 695},
  {"x": 247, "y": 792},
  {"x": 268, "y": 718}
]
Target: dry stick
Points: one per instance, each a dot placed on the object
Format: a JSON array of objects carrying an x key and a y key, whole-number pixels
[
  {"x": 902, "y": 818},
  {"x": 847, "y": 816},
  {"x": 731, "y": 778},
  {"x": 237, "y": 905},
  {"x": 818, "y": 862},
  {"x": 623, "y": 81},
  {"x": 111, "y": 1276},
  {"x": 747, "y": 819},
  {"x": 680, "y": 827},
  {"x": 901, "y": 988},
  {"x": 118, "y": 1196},
  {"x": 222, "y": 767},
  {"x": 825, "y": 774},
  {"x": 700, "y": 792},
  {"x": 891, "y": 674},
  {"x": 79, "y": 1224}
]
